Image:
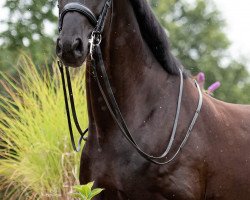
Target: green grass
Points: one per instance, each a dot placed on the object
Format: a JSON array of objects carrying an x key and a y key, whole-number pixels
[{"x": 38, "y": 160}]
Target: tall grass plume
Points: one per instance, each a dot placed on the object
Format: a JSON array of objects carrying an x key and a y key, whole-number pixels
[{"x": 36, "y": 157}]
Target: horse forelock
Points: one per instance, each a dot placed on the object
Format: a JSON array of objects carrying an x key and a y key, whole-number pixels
[{"x": 155, "y": 36}]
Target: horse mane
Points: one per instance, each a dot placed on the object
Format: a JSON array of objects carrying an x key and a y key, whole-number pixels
[{"x": 155, "y": 36}]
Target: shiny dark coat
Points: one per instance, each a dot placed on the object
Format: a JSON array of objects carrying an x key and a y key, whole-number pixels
[{"x": 214, "y": 164}]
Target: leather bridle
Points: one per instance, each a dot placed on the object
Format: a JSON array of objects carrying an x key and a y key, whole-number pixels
[
  {"x": 95, "y": 39},
  {"x": 106, "y": 89}
]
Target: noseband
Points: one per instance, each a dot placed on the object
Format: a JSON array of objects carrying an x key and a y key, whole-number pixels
[
  {"x": 106, "y": 89},
  {"x": 76, "y": 7}
]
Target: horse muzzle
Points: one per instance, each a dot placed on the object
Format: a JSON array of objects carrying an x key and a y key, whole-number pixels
[{"x": 71, "y": 50}]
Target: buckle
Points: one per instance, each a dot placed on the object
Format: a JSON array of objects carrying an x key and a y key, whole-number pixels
[{"x": 96, "y": 39}]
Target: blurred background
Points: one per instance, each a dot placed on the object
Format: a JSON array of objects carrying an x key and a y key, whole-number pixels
[
  {"x": 36, "y": 157},
  {"x": 205, "y": 35}
]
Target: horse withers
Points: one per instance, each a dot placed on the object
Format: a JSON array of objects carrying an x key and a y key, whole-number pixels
[{"x": 128, "y": 129}]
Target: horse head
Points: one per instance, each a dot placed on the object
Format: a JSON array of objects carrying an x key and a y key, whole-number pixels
[{"x": 78, "y": 20}]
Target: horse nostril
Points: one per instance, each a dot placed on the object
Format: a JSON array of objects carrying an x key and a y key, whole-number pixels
[
  {"x": 77, "y": 47},
  {"x": 59, "y": 47},
  {"x": 70, "y": 51}
]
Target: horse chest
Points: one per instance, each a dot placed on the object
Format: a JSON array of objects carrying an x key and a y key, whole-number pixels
[{"x": 125, "y": 175}]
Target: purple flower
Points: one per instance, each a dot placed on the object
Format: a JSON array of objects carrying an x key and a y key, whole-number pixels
[
  {"x": 201, "y": 77},
  {"x": 201, "y": 80},
  {"x": 214, "y": 87}
]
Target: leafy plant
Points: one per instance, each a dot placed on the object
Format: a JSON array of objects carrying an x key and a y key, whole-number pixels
[
  {"x": 36, "y": 157},
  {"x": 85, "y": 192},
  {"x": 29, "y": 26}
]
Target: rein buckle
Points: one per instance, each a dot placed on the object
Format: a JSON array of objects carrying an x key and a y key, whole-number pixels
[{"x": 96, "y": 39}]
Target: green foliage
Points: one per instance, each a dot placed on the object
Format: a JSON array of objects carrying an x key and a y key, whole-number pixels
[
  {"x": 195, "y": 28},
  {"x": 37, "y": 160},
  {"x": 26, "y": 23},
  {"x": 196, "y": 32},
  {"x": 85, "y": 192}
]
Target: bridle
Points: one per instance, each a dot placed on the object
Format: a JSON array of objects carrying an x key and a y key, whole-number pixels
[
  {"x": 106, "y": 89},
  {"x": 96, "y": 38}
]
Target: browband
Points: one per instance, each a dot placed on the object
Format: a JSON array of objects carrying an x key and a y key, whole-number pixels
[{"x": 76, "y": 7}]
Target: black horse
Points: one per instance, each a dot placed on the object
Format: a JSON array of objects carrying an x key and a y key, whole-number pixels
[{"x": 145, "y": 76}]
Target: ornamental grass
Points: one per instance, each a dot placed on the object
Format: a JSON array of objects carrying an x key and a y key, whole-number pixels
[{"x": 36, "y": 157}]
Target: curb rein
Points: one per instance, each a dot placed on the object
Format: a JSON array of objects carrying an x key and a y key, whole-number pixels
[{"x": 99, "y": 68}]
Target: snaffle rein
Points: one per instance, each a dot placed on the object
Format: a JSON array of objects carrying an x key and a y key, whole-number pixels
[{"x": 102, "y": 77}]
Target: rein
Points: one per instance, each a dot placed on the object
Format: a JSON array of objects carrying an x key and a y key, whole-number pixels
[
  {"x": 95, "y": 39},
  {"x": 107, "y": 92}
]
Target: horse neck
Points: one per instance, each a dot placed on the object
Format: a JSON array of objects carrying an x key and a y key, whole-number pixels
[{"x": 143, "y": 89}]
